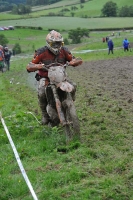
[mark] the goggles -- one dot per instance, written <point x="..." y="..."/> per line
<point x="56" y="44"/>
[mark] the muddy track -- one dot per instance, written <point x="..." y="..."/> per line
<point x="112" y="77"/>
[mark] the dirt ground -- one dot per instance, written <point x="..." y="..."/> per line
<point x="112" y="77"/>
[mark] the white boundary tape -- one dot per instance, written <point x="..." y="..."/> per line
<point x="18" y="159"/>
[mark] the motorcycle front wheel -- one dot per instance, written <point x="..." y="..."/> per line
<point x="72" y="127"/>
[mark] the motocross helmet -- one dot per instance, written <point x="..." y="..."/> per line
<point x="54" y="41"/>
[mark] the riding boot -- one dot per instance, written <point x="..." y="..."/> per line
<point x="45" y="117"/>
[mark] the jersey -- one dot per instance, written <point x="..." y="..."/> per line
<point x="45" y="56"/>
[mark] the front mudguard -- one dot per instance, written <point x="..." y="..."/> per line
<point x="66" y="86"/>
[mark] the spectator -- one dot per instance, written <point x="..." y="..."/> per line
<point x="7" y="54"/>
<point x="110" y="46"/>
<point x="107" y="38"/>
<point x="113" y="33"/>
<point x="1" y="58"/>
<point x="126" y="44"/>
<point x="103" y="39"/>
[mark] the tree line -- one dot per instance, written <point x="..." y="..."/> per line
<point x="110" y="9"/>
<point x="9" y="5"/>
<point x="24" y="6"/>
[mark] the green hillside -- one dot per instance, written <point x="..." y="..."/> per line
<point x="90" y="9"/>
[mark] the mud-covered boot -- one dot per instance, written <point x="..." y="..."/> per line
<point x="45" y="118"/>
<point x="43" y="105"/>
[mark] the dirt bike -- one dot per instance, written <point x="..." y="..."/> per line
<point x="61" y="108"/>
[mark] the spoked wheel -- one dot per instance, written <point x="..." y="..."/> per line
<point x="72" y="127"/>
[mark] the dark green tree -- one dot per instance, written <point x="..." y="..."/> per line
<point x="109" y="9"/>
<point x="131" y="11"/>
<point x="66" y="42"/>
<point x="126" y="11"/>
<point x="21" y="9"/>
<point x="17" y="48"/>
<point x="76" y="34"/>
<point x="3" y="40"/>
<point x="15" y="9"/>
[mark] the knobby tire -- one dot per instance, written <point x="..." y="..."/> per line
<point x="72" y="128"/>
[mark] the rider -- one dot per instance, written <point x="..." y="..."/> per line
<point x="53" y="52"/>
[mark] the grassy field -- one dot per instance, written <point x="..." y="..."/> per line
<point x="71" y="23"/>
<point x="90" y="9"/>
<point x="31" y="40"/>
<point x="99" y="169"/>
<point x="28" y="40"/>
<point x="56" y="5"/>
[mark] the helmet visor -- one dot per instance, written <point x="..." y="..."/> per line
<point x="56" y="45"/>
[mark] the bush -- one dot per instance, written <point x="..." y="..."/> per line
<point x="16" y="49"/>
<point x="3" y="40"/>
<point x="40" y="28"/>
<point x="51" y="14"/>
<point x="65" y="10"/>
<point x="66" y="42"/>
<point x="126" y="11"/>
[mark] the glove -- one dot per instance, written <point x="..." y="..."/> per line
<point x="75" y="62"/>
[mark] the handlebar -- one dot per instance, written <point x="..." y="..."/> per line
<point x="46" y="67"/>
<point x="74" y="62"/>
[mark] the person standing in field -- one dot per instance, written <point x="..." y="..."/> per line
<point x="7" y="54"/>
<point x="110" y="46"/>
<point x="126" y="44"/>
<point x="1" y="58"/>
<point x="103" y="39"/>
<point x="107" y="38"/>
